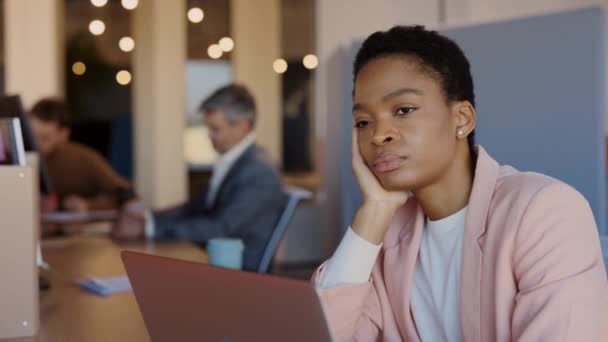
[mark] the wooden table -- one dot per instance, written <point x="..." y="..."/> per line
<point x="68" y="313"/>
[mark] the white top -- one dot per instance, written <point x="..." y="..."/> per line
<point x="435" y="297"/>
<point x="220" y="169"/>
<point x="352" y="262"/>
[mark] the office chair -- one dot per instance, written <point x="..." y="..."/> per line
<point x="295" y="196"/>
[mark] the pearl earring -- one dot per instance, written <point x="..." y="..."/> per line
<point x="460" y="132"/>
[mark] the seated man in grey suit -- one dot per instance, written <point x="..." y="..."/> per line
<point x="244" y="198"/>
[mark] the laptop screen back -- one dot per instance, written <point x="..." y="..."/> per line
<point x="186" y="301"/>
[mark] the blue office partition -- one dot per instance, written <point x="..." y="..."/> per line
<point x="540" y="90"/>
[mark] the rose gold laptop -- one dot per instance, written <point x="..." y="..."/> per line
<point x="187" y="301"/>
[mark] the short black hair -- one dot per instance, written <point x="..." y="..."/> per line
<point x="441" y="56"/>
<point x="52" y="110"/>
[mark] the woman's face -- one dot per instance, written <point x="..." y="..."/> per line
<point x="407" y="130"/>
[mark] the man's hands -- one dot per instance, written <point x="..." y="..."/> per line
<point x="131" y="222"/>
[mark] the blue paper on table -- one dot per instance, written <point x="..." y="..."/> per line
<point x="106" y="286"/>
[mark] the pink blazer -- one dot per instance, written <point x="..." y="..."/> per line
<point x="532" y="268"/>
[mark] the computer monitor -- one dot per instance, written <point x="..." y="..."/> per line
<point x="12" y="151"/>
<point x="11" y="107"/>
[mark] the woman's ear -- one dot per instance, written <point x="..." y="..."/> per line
<point x="465" y="117"/>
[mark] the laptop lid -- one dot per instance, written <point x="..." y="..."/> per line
<point x="187" y="301"/>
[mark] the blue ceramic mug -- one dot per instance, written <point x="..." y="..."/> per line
<point x="226" y="252"/>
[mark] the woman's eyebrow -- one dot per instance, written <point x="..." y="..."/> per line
<point x="395" y="93"/>
<point x="401" y="91"/>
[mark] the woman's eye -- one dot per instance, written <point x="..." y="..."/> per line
<point x="405" y="110"/>
<point x="361" y="124"/>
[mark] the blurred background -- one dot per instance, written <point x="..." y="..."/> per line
<point x="134" y="73"/>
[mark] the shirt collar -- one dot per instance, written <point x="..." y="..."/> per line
<point x="228" y="158"/>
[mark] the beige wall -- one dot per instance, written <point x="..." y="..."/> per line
<point x="256" y="32"/>
<point x="159" y="30"/>
<point x="34" y="48"/>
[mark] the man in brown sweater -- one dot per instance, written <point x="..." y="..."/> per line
<point x="83" y="180"/>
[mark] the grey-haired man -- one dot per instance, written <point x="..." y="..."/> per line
<point x="244" y="197"/>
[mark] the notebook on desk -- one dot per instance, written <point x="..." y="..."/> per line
<point x="187" y="301"/>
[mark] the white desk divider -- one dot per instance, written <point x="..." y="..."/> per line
<point x="19" y="236"/>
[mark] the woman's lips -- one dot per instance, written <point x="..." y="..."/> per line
<point x="387" y="162"/>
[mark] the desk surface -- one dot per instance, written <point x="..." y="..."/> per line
<point x="69" y="314"/>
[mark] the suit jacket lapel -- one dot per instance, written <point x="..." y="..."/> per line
<point x="486" y="174"/>
<point x="234" y="170"/>
<point x="402" y="243"/>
